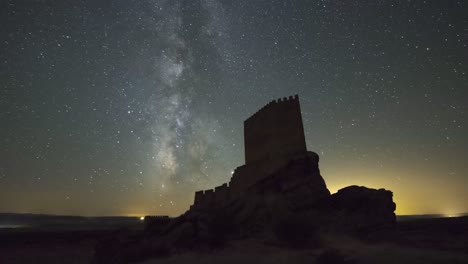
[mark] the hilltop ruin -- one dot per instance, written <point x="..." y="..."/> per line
<point x="280" y="177"/>
<point x="273" y="136"/>
<point x="278" y="191"/>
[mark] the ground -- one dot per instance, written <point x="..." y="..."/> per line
<point x="419" y="241"/>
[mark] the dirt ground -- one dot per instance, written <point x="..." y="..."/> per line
<point x="422" y="241"/>
<point x="32" y="246"/>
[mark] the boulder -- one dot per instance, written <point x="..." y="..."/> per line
<point x="363" y="209"/>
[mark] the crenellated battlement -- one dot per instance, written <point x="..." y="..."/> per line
<point x="212" y="197"/>
<point x="273" y="103"/>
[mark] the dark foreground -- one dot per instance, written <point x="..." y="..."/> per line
<point x="439" y="240"/>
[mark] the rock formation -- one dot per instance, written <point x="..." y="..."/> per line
<point x="281" y="177"/>
<point x="279" y="189"/>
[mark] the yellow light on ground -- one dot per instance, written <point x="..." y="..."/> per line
<point x="142" y="218"/>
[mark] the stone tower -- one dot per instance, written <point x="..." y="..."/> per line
<point x="273" y="136"/>
<point x="274" y="131"/>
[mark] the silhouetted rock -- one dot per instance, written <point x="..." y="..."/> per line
<point x="182" y="235"/>
<point x="364" y="210"/>
<point x="296" y="231"/>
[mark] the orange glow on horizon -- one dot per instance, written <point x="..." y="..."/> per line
<point x="412" y="191"/>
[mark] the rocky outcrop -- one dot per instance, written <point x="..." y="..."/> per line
<point x="279" y="190"/>
<point x="295" y="193"/>
<point x="295" y="187"/>
<point x="363" y="210"/>
<point x="299" y="189"/>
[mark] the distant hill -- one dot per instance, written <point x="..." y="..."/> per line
<point x="64" y="222"/>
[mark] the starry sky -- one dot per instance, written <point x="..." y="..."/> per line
<point x="127" y="107"/>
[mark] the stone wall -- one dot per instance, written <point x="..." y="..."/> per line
<point x="275" y="130"/>
<point x="221" y="195"/>
<point x="213" y="198"/>
<point x="247" y="175"/>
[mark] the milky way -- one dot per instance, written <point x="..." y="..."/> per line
<point x="128" y="107"/>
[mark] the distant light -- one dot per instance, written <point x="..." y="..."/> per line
<point x="142" y="218"/>
<point x="452" y="215"/>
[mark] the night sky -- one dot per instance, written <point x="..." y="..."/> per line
<point x="128" y="107"/>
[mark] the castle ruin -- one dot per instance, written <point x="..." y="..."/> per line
<point x="280" y="180"/>
<point x="273" y="136"/>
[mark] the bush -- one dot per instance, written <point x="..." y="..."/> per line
<point x="296" y="231"/>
